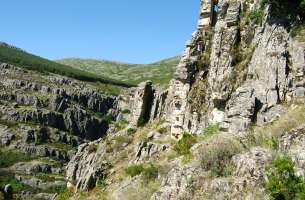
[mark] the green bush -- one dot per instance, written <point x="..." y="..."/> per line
<point x="131" y="131"/>
<point x="256" y="16"/>
<point x="282" y="183"/>
<point x="101" y="181"/>
<point x="150" y="173"/>
<point x="134" y="170"/>
<point x="126" y="111"/>
<point x="183" y="146"/>
<point x="211" y="129"/>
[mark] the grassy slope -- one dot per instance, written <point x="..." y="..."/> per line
<point x="160" y="72"/>
<point x="23" y="59"/>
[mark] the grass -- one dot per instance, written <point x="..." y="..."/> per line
<point x="9" y="158"/>
<point x="56" y="189"/>
<point x="241" y="59"/>
<point x="134" y="170"/>
<point x="131" y="131"/>
<point x="120" y="141"/>
<point x="160" y="72"/>
<point x="268" y="135"/>
<point x="140" y="191"/>
<point x="149" y="172"/>
<point x="25" y="60"/>
<point x="9" y="178"/>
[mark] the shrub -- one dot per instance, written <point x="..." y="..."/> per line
<point x="101" y="181"/>
<point x="211" y="129"/>
<point x="131" y="131"/>
<point x="134" y="170"/>
<point x="183" y="146"/>
<point x="108" y="118"/>
<point x="282" y="182"/>
<point x="216" y="156"/>
<point x="142" y="121"/>
<point x="150" y="173"/>
<point x="256" y="16"/>
<point x="121" y="124"/>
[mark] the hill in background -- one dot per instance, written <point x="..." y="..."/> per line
<point x="18" y="57"/>
<point x="160" y="72"/>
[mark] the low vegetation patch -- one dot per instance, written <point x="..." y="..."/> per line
<point x="120" y="124"/>
<point x="211" y="129"/>
<point x="268" y="135"/>
<point x="134" y="170"/>
<point x="149" y="172"/>
<point x="120" y="142"/>
<point x="217" y="154"/>
<point x="9" y="178"/>
<point x="283" y="183"/>
<point x="101" y="181"/>
<point x="131" y="131"/>
<point x="9" y="158"/>
<point x="183" y="146"/>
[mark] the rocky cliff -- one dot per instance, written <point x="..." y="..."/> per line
<point x="233" y="109"/>
<point x="234" y="71"/>
<point x="235" y="104"/>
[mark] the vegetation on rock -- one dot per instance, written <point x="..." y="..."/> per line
<point x="283" y="183"/>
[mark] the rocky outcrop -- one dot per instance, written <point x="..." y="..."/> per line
<point x="213" y="84"/>
<point x="43" y="118"/>
<point x="251" y="165"/>
<point x="87" y="166"/>
<point x="146" y="151"/>
<point x="142" y="104"/>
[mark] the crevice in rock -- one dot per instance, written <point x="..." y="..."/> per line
<point x="257" y="107"/>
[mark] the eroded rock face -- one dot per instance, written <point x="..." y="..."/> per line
<point x="43" y="118"/>
<point x="147" y="150"/>
<point x="142" y="104"/>
<point x="87" y="166"/>
<point x="209" y="73"/>
<point x="176" y="184"/>
<point x="252" y="165"/>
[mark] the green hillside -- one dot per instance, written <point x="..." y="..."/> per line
<point x="20" y="58"/>
<point x="160" y="72"/>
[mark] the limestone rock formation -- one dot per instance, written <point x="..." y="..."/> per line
<point x="43" y="118"/>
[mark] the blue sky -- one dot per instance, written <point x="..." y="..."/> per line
<point x="135" y="31"/>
